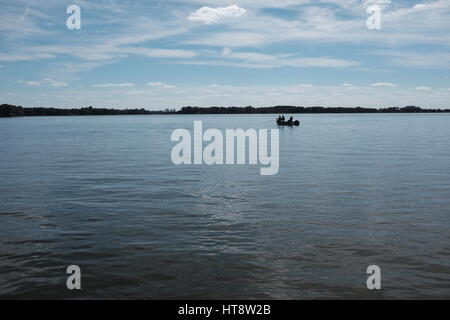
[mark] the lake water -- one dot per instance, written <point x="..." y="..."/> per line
<point x="102" y="193"/>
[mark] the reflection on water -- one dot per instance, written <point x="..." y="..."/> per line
<point x="102" y="193"/>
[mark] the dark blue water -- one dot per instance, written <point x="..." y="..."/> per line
<point x="102" y="193"/>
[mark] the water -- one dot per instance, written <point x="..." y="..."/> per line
<point x="102" y="193"/>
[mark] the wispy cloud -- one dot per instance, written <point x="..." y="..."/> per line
<point x="44" y="82"/>
<point x="30" y="83"/>
<point x="247" y="59"/>
<point x="158" y="53"/>
<point x="113" y="85"/>
<point x="159" y="84"/>
<point x="384" y="84"/>
<point x="54" y="83"/>
<point x="24" y="57"/>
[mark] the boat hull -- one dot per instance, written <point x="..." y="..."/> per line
<point x="288" y="123"/>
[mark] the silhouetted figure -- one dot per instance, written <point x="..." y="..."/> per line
<point x="291" y="119"/>
<point x="282" y="118"/>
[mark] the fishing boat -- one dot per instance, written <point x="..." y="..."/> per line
<point x="288" y="123"/>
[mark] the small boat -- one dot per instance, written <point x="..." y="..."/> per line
<point x="288" y="123"/>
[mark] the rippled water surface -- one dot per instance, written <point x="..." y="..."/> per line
<point x="102" y="193"/>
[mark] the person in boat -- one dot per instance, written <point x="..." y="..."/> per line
<point x="291" y="119"/>
<point x="279" y="119"/>
<point x="282" y="118"/>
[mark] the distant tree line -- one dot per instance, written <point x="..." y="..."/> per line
<point x="7" y="110"/>
<point x="294" y="110"/>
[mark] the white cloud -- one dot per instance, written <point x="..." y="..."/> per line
<point x="54" y="83"/>
<point x="58" y="84"/>
<point x="232" y="39"/>
<point x="209" y="15"/>
<point x="30" y="83"/>
<point x="69" y="68"/>
<point x="248" y="59"/>
<point x="160" y="85"/>
<point x="226" y="51"/>
<point x="102" y="52"/>
<point x="423" y="88"/>
<point x="113" y="85"/>
<point x="157" y="53"/>
<point x="419" y="6"/>
<point x="383" y="84"/>
<point x="379" y="2"/>
<point x="304" y="85"/>
<point x="295" y="63"/>
<point x="44" y="82"/>
<point x="345" y="84"/>
<point x="24" y="57"/>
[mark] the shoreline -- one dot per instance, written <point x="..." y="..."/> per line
<point x="12" y="111"/>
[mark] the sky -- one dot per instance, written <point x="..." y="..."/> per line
<point x="169" y="54"/>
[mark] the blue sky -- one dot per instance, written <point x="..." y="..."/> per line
<point x="168" y="54"/>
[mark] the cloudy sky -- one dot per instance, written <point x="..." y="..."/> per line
<point x="168" y="54"/>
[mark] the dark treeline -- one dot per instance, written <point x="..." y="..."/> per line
<point x="7" y="110"/>
<point x="294" y="110"/>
